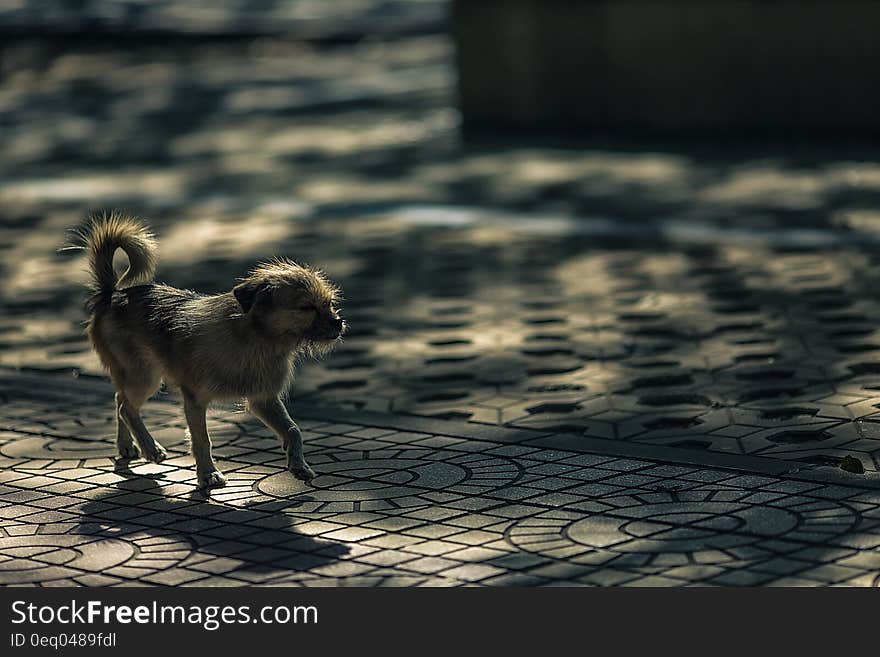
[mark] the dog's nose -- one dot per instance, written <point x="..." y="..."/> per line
<point x="337" y="323"/>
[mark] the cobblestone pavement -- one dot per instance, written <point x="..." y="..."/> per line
<point x="542" y="332"/>
<point x="721" y="300"/>
<point x="407" y="502"/>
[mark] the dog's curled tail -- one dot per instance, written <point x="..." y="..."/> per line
<point x="108" y="232"/>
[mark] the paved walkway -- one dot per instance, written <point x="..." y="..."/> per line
<point x="577" y="361"/>
<point x="407" y="502"/>
<point x="717" y="299"/>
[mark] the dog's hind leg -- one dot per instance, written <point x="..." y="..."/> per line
<point x="129" y="411"/>
<point x="124" y="442"/>
<point x="274" y="415"/>
<point x="206" y="470"/>
<point x="132" y="392"/>
<point x="134" y="385"/>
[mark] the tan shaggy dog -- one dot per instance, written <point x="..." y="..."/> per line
<point x="241" y="344"/>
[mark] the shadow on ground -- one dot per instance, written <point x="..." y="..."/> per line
<point x="218" y="538"/>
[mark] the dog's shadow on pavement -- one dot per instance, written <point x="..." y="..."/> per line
<point x="253" y="546"/>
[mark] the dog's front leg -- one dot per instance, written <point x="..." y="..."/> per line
<point x="208" y="474"/>
<point x="275" y="416"/>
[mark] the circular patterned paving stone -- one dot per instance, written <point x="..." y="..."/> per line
<point x="47" y="557"/>
<point x="44" y="558"/>
<point x="103" y="445"/>
<point x="371" y="477"/>
<point x="694" y="527"/>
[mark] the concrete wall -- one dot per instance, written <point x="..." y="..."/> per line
<point x="670" y="65"/>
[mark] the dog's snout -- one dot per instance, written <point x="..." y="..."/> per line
<point x="337" y="323"/>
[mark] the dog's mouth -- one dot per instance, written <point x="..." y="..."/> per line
<point x="329" y="334"/>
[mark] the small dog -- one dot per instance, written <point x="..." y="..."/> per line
<point x="241" y="344"/>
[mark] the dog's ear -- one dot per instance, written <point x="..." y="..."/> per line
<point x="249" y="294"/>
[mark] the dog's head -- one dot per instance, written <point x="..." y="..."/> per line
<point x="291" y="300"/>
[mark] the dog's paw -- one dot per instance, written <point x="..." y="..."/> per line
<point x="301" y="471"/>
<point x="213" y="479"/>
<point x="156" y="454"/>
<point x="128" y="452"/>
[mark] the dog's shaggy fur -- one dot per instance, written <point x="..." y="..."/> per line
<point x="241" y="344"/>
